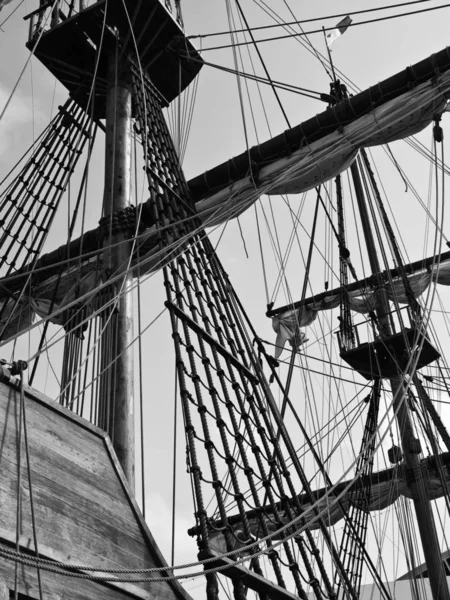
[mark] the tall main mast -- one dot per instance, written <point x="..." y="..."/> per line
<point x="71" y="503"/>
<point x="92" y="52"/>
<point x="116" y="402"/>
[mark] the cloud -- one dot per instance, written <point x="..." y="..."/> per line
<point x="16" y="125"/>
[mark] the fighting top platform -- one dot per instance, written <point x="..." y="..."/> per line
<point x="70" y="48"/>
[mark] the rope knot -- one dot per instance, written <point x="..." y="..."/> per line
<point x="18" y="366"/>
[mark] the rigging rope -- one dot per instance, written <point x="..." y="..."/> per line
<point x="353" y="24"/>
<point x="303" y="21"/>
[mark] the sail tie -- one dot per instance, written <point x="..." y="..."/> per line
<point x="122" y="221"/>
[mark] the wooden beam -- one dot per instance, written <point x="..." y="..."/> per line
<point x="211" y="341"/>
<point x="116" y="397"/>
<point x="356" y="286"/>
<point x="249" y="578"/>
<point x="85" y="511"/>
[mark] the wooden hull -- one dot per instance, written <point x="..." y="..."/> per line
<point x="84" y="511"/>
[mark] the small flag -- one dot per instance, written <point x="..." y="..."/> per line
<point x="340" y="28"/>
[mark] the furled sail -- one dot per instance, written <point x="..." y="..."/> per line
<point x="58" y="304"/>
<point x="295" y="161"/>
<point x="383" y="489"/>
<point x="287" y="323"/>
<point x="319" y="149"/>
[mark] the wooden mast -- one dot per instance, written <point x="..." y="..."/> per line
<point x="410" y="445"/>
<point x="117" y="390"/>
<point x="82" y="50"/>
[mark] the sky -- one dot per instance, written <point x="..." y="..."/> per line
<point x="366" y="54"/>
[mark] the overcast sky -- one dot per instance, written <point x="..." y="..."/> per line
<point x="366" y="54"/>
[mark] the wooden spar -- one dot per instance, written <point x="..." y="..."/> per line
<point x="251" y="580"/>
<point x="362" y="284"/>
<point x="324" y="123"/>
<point x="54" y="262"/>
<point x="409" y="443"/>
<point x="68" y="38"/>
<point x="394" y="476"/>
<point x="117" y="390"/>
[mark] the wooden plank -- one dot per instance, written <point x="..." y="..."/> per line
<point x="84" y="509"/>
<point x="4" y="591"/>
<point x="60" y="513"/>
<point x="57" y="587"/>
<point x="46" y="552"/>
<point x="156" y="552"/>
<point x="61" y="510"/>
<point x="38" y="397"/>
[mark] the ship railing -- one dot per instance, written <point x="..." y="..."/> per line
<point x="51" y="13"/>
<point x="399" y="319"/>
<point x="390" y="351"/>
